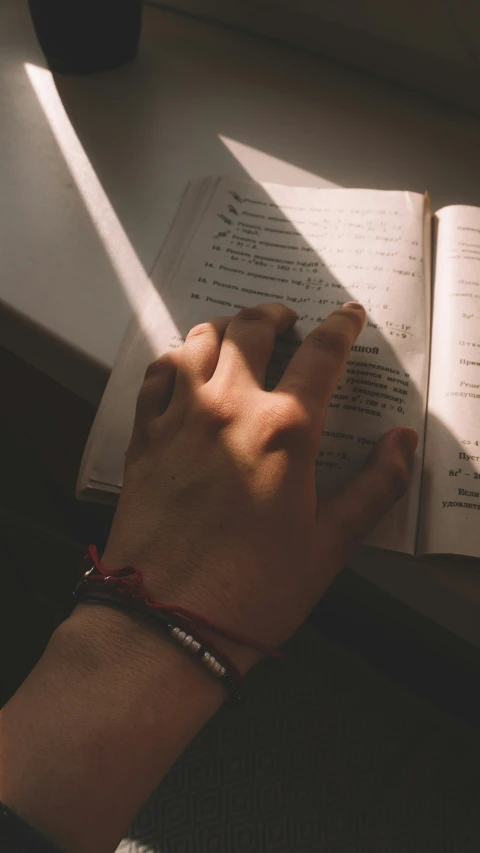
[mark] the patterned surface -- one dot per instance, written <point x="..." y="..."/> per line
<point x="326" y="757"/>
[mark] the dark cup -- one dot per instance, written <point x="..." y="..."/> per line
<point x="82" y="36"/>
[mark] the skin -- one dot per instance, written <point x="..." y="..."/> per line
<point x="219" y="509"/>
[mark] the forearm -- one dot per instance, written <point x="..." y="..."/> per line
<point x="96" y="726"/>
<point x="219" y="508"/>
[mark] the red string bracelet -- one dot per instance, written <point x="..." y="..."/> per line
<point x="124" y="588"/>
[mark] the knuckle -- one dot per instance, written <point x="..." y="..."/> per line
<point x="153" y="431"/>
<point x="159" y="367"/>
<point x="215" y="408"/>
<point x="286" y="420"/>
<point x="336" y="343"/>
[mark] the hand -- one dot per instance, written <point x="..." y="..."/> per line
<point x="219" y="504"/>
<point x="219" y="509"/>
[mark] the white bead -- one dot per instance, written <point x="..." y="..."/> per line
<point x="187" y="640"/>
<point x="181" y="636"/>
<point x="195" y="646"/>
<point x="175" y="632"/>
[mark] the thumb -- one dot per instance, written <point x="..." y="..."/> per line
<point x="382" y="481"/>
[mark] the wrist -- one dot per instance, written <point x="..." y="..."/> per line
<point x="192" y="594"/>
<point x="132" y="652"/>
<point x="114" y="700"/>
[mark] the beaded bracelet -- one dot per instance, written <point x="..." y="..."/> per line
<point x="124" y="590"/>
<point x="230" y="678"/>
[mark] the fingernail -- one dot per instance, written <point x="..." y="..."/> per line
<point x="355" y="306"/>
<point x="408" y="441"/>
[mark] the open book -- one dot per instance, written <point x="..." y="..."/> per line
<point x="417" y="361"/>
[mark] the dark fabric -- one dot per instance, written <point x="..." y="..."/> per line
<point x="327" y="755"/>
<point x="17" y="836"/>
<point x="44" y="530"/>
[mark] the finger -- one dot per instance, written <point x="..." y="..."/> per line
<point x="200" y="352"/>
<point x="157" y="388"/>
<point x="249" y="340"/>
<point x="377" y="487"/>
<point x="316" y="367"/>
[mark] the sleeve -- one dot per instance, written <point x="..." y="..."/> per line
<point x="17" y="836"/>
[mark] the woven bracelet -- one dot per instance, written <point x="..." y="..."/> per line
<point x="124" y="590"/>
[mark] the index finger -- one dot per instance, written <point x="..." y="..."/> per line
<point x="316" y="367"/>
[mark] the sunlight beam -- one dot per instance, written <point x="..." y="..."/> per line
<point x="123" y="258"/>
<point x="261" y="166"/>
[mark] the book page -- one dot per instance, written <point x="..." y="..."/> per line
<point x="315" y="249"/>
<point x="451" y="484"/>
